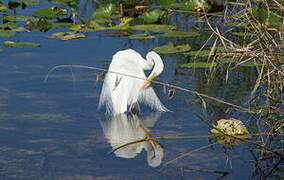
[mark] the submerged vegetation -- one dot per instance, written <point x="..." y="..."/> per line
<point x="215" y="40"/>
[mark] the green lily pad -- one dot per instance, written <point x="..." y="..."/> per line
<point x="180" y="34"/>
<point x="153" y="27"/>
<point x="153" y="16"/>
<point x="20" y="44"/>
<point x="17" y="17"/>
<point x="32" y="2"/>
<point x="51" y="12"/>
<point x="197" y="53"/>
<point x="1" y="49"/>
<point x="230" y="127"/>
<point x="67" y="35"/>
<point x="7" y="33"/>
<point x="141" y="36"/>
<point x="170" y="48"/>
<point x="3" y="8"/>
<point x="105" y="14"/>
<point x="198" y="65"/>
<point x="81" y="28"/>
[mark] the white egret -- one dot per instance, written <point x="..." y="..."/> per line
<point x="125" y="84"/>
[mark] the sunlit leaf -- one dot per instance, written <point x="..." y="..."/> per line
<point x="154" y="27"/>
<point x="67" y="35"/>
<point x="73" y="36"/>
<point x="20" y="44"/>
<point x="32" y="2"/>
<point x="198" y="65"/>
<point x="180" y="34"/>
<point x="17" y="17"/>
<point x="230" y="126"/>
<point x="3" y="8"/>
<point x="81" y="27"/>
<point x="51" y="12"/>
<point x="170" y="48"/>
<point x="198" y="53"/>
<point x="7" y="33"/>
<point x="105" y="13"/>
<point x="141" y="36"/>
<point x="153" y="16"/>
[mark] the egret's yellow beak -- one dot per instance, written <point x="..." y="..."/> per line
<point x="148" y="80"/>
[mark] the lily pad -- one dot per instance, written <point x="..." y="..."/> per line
<point x="153" y="27"/>
<point x="230" y="127"/>
<point x="180" y="34"/>
<point x="153" y="16"/>
<point x="67" y="35"/>
<point x="3" y="8"/>
<point x="7" y="33"/>
<point x="105" y="14"/>
<point x="17" y="17"/>
<point x="81" y="27"/>
<point x="1" y="49"/>
<point x="170" y="48"/>
<point x="51" y="12"/>
<point x="141" y="36"/>
<point x="198" y="65"/>
<point x="20" y="44"/>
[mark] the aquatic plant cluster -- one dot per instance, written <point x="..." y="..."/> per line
<point x="229" y="36"/>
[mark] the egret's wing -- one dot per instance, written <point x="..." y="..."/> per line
<point x="149" y="97"/>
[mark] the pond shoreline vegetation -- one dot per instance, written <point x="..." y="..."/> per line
<point x="233" y="35"/>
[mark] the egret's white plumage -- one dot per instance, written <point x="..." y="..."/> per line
<point x="121" y="90"/>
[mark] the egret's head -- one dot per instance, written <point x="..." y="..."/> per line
<point x="158" y="67"/>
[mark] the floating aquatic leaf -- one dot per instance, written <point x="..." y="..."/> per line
<point x="170" y="48"/>
<point x="20" y="44"/>
<point x="198" y="65"/>
<point x="32" y="2"/>
<point x="197" y="53"/>
<point x="67" y="35"/>
<point x="153" y="16"/>
<point x="73" y="36"/>
<point x="3" y="8"/>
<point x="17" y="17"/>
<point x="105" y="13"/>
<point x="180" y="34"/>
<point x="141" y="36"/>
<point x="7" y="33"/>
<point x="1" y="49"/>
<point x="154" y="27"/>
<point x="233" y="127"/>
<point x="51" y="12"/>
<point x="230" y="127"/>
<point x="81" y="27"/>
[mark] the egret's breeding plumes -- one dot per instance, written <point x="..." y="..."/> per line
<point x="126" y="85"/>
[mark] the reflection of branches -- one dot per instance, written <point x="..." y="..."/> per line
<point x="224" y="173"/>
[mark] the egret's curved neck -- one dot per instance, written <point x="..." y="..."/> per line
<point x="158" y="63"/>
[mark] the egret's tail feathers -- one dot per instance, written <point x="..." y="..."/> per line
<point x="149" y="97"/>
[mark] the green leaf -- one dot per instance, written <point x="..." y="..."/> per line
<point x="1" y="49"/>
<point x="198" y="65"/>
<point x="197" y="53"/>
<point x="3" y="8"/>
<point x="180" y="34"/>
<point x="105" y="13"/>
<point x="7" y="33"/>
<point x="230" y="126"/>
<point x="168" y="3"/>
<point x="153" y="16"/>
<point x="51" y="12"/>
<point x="154" y="27"/>
<point x="17" y="17"/>
<point x="170" y="48"/>
<point x="20" y="44"/>
<point x="67" y="35"/>
<point x="141" y="36"/>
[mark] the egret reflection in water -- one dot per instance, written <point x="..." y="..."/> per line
<point x="126" y="128"/>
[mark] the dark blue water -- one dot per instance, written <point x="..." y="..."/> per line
<point x="53" y="130"/>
